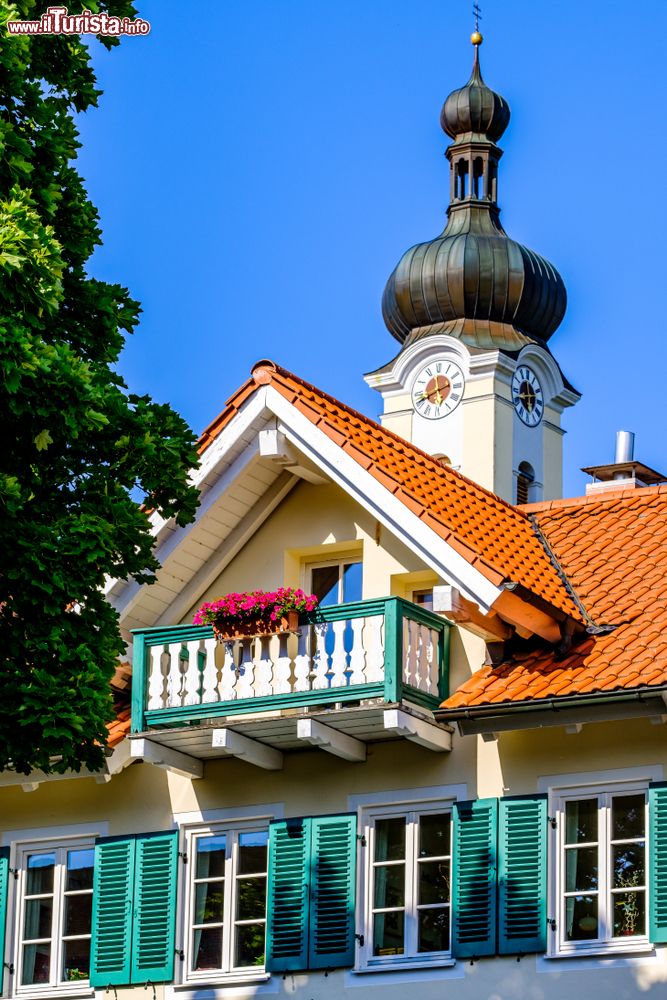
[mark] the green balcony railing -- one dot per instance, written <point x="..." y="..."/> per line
<point x="387" y="648"/>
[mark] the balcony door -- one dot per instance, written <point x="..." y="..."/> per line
<point x="336" y="582"/>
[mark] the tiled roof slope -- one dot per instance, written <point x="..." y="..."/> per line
<point x="613" y="548"/>
<point x="119" y="728"/>
<point x="495" y="537"/>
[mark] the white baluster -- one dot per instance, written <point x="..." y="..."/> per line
<point x="410" y="653"/>
<point x="339" y="656"/>
<point x="155" y="679"/>
<point x="246" y="672"/>
<point x="209" y="677"/>
<point x="282" y="670"/>
<point x="319" y="679"/>
<point x="192" y="675"/>
<point x="264" y="667"/>
<point x="358" y="652"/>
<point x="228" y="672"/>
<point x="375" y="649"/>
<point x="302" y="660"/>
<point x="174" y="679"/>
<point x="434" y="665"/>
<point x="424" y="658"/>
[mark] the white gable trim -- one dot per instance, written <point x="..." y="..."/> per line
<point x="383" y="505"/>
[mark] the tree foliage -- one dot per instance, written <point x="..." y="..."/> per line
<point x="76" y="445"/>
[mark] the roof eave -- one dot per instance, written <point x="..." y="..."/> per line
<point x="572" y="710"/>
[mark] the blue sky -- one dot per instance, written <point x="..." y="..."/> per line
<point x="260" y="168"/>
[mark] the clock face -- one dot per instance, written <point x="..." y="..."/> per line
<point x="438" y="388"/>
<point x="527" y="396"/>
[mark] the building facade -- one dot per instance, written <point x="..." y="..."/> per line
<point x="451" y="774"/>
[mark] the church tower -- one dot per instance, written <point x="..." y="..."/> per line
<point x="475" y="382"/>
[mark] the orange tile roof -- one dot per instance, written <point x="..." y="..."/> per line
<point x="498" y="539"/>
<point x="119" y="728"/>
<point x="613" y="546"/>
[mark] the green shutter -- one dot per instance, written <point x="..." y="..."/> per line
<point x="333" y="874"/>
<point x="474" y="878"/>
<point x="154" y="907"/>
<point x="522" y="875"/>
<point x="4" y="888"/>
<point x="113" y="885"/>
<point x="288" y="895"/>
<point x="657" y="862"/>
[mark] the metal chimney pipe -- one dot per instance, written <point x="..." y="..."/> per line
<point x="625" y="447"/>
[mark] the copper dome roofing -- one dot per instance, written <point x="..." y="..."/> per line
<point x="475" y="108"/>
<point x="473" y="271"/>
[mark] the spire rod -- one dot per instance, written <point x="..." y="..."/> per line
<point x="476" y="38"/>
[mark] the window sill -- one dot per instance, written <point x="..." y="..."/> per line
<point x="640" y="947"/>
<point x="407" y="966"/>
<point x="224" y="979"/>
<point x="46" y="992"/>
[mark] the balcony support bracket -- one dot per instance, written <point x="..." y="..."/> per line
<point x="311" y="731"/>
<point x="231" y="744"/>
<point x="170" y="760"/>
<point x="427" y="734"/>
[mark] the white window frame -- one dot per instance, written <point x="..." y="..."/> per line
<point x="228" y="973"/>
<point x="341" y="563"/>
<point x="604" y="791"/>
<point x="18" y="860"/>
<point x="410" y="804"/>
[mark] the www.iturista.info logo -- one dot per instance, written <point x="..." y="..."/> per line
<point x="58" y="21"/>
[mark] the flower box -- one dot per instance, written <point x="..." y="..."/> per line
<point x="227" y="631"/>
<point x="255" y="613"/>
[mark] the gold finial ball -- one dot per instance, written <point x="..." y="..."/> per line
<point x="476" y="38"/>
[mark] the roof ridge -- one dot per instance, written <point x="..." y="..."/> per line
<point x="564" y="578"/>
<point x="622" y="493"/>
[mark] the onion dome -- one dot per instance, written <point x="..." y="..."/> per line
<point x="473" y="281"/>
<point x="475" y="108"/>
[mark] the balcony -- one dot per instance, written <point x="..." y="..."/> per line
<point x="352" y="673"/>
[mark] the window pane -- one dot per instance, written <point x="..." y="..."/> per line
<point x="209" y="902"/>
<point x="628" y="865"/>
<point x="390" y="886"/>
<point x="388" y="933"/>
<point x="352" y="582"/>
<point x="628" y="813"/>
<point x="252" y="852"/>
<point x="251" y="898"/>
<point x="78" y="911"/>
<point x="434" y="836"/>
<point x="250" y="945"/>
<point x="207" y="948"/>
<point x="80" y="869"/>
<point x="390" y="839"/>
<point x="38" y="915"/>
<point x="40" y="874"/>
<point x="434" y="882"/>
<point x="433" y="930"/>
<point x="629" y="914"/>
<point x="325" y="584"/>
<point x="581" y="868"/>
<point x="36" y="964"/>
<point x="581" y="918"/>
<point x="76" y="960"/>
<point x="581" y="821"/>
<point x="210" y="857"/>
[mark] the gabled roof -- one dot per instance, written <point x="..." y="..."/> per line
<point x="497" y="539"/>
<point x="613" y="547"/>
